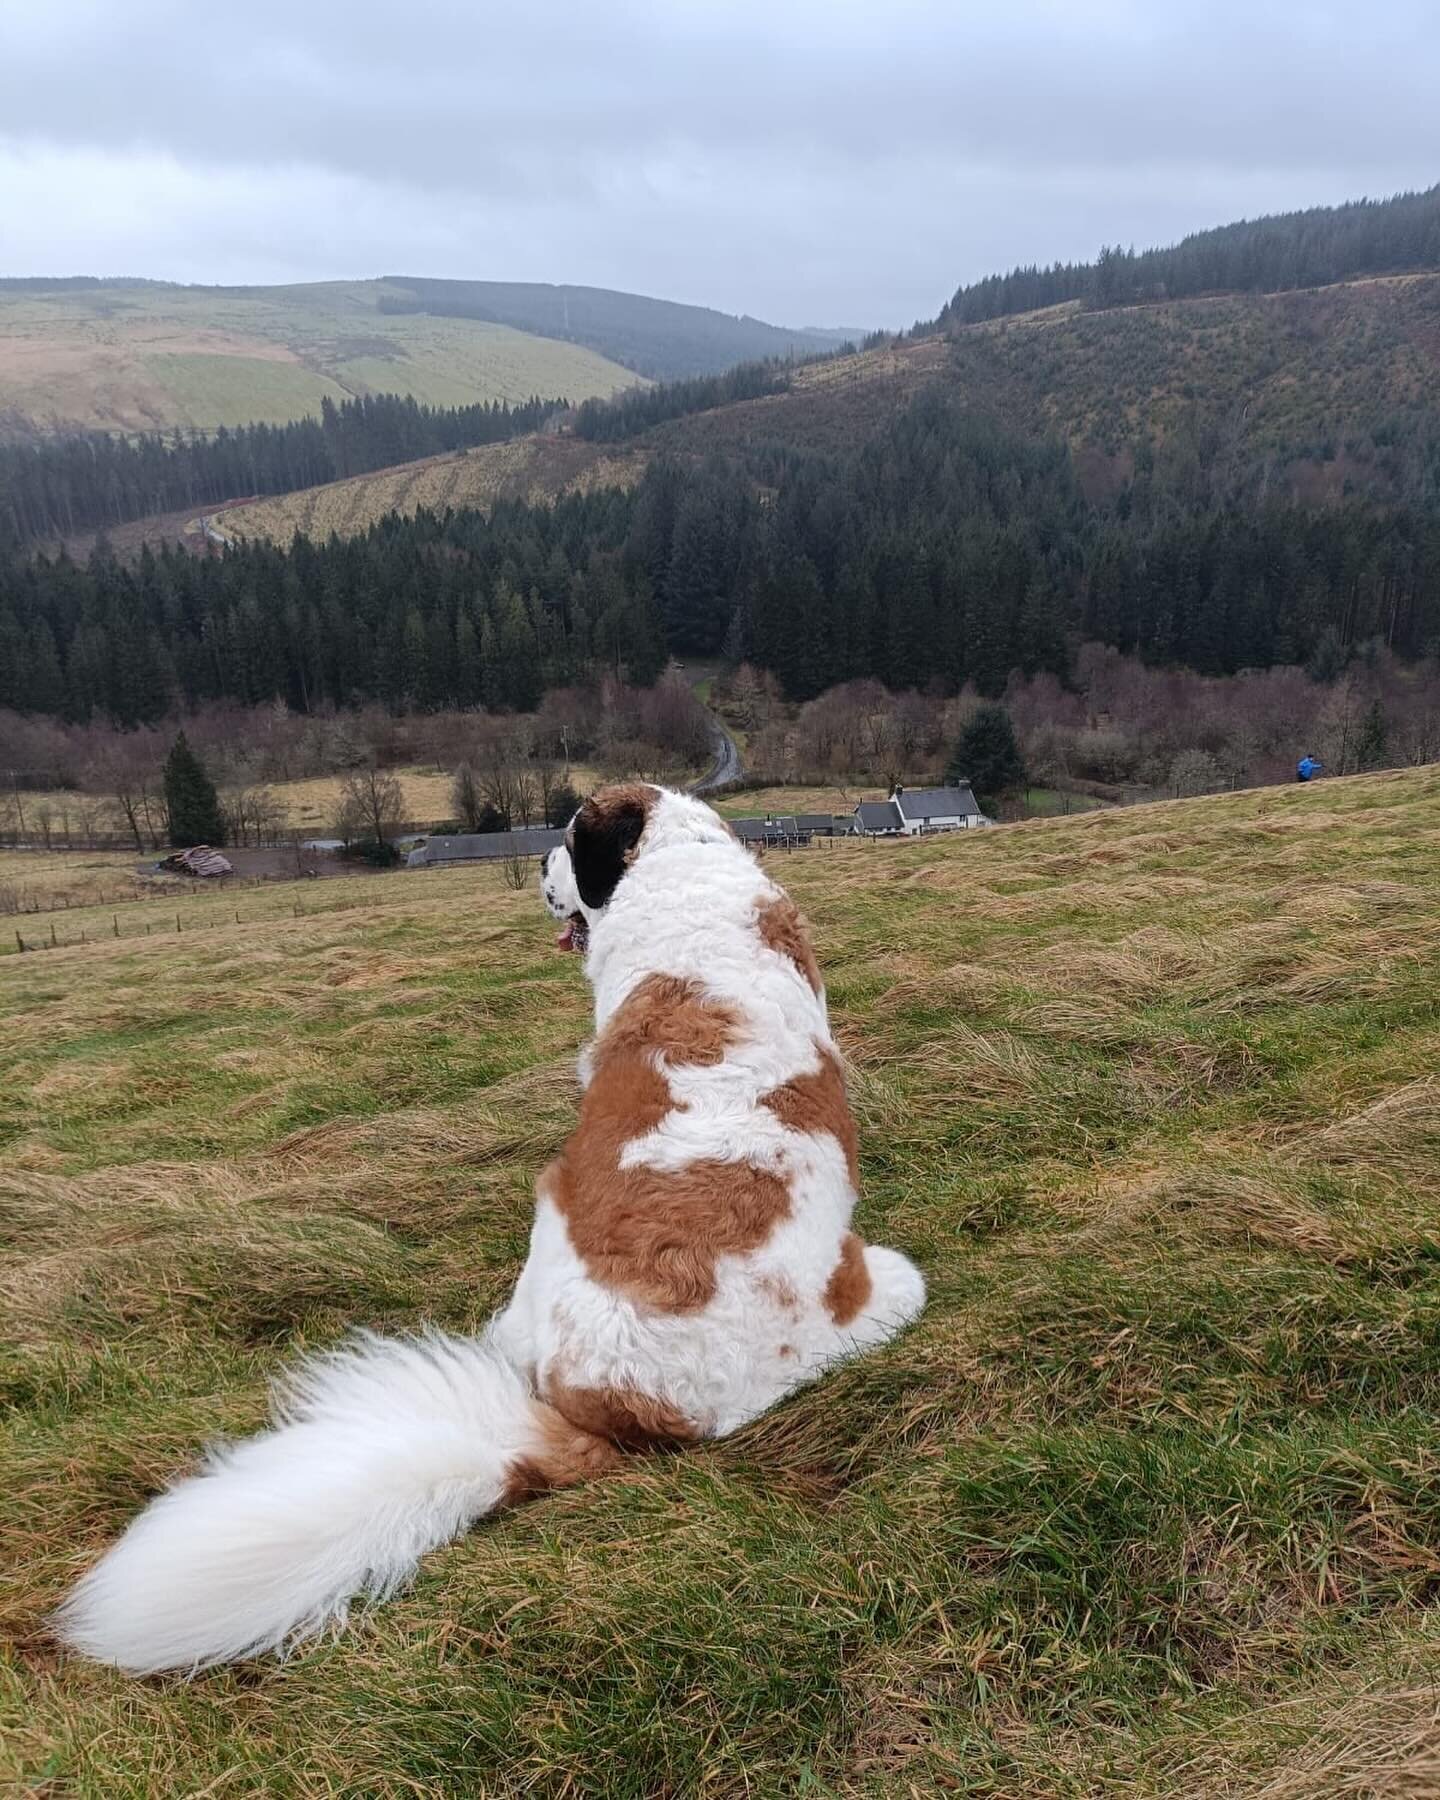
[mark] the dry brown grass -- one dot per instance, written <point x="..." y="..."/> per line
<point x="534" y="469"/>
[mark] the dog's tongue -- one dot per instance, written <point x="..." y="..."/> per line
<point x="566" y="939"/>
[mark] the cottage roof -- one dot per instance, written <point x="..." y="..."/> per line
<point x="937" y="803"/>
<point x="485" y="846"/>
<point x="878" y="815"/>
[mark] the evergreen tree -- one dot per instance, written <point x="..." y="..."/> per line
<point x="561" y="807"/>
<point x="1373" y="745"/>
<point x="988" y="757"/>
<point x="190" y="799"/>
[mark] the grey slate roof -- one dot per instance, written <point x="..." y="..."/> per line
<point x="937" y="803"/>
<point x="770" y="831"/>
<point x="484" y="846"/>
<point x="878" y="815"/>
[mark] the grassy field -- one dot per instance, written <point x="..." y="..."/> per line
<point x="1148" y="1503"/>
<point x="142" y="357"/>
<point x="312" y="805"/>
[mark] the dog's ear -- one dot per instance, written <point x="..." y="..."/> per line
<point x="603" y="838"/>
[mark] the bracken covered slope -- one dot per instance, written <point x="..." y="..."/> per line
<point x="1314" y="394"/>
<point x="1147" y="1503"/>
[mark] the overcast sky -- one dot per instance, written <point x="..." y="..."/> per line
<point x="812" y="162"/>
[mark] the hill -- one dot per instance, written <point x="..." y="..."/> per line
<point x="660" y="338"/>
<point x="1319" y="391"/>
<point x="1313" y="248"/>
<point x="143" y="356"/>
<point x="1316" y="394"/>
<point x="1146" y="1503"/>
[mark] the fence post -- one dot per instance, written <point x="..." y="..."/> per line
<point x="54" y="941"/>
<point x="177" y="921"/>
<point x="20" y="942"/>
<point x="115" y="921"/>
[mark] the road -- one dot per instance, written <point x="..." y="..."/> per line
<point x="727" y="766"/>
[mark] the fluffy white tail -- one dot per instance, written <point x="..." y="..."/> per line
<point x="380" y="1452"/>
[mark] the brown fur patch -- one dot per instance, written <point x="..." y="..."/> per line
<point x="622" y="796"/>
<point x="848" y="1288"/>
<point x="672" y="1019"/>
<point x="650" y="1234"/>
<point x="568" y="1454"/>
<point x="621" y="1415"/>
<point x="782" y="928"/>
<point x="818" y="1103"/>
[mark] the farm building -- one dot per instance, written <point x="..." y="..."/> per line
<point x="484" y="846"/>
<point x="790" y="829"/>
<point x="910" y="811"/>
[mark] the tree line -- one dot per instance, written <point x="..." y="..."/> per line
<point x="945" y="551"/>
<point x="638" y="409"/>
<point x="92" y="481"/>
<point x="1286" y="250"/>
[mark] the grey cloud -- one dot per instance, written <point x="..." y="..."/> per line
<point x="816" y="162"/>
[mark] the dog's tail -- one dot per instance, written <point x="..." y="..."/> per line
<point x="379" y="1452"/>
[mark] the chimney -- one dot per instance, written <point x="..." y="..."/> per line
<point x="896" y="791"/>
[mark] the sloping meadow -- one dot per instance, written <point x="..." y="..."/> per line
<point x="1149" y="1502"/>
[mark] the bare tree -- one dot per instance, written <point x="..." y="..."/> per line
<point x="1195" y="772"/>
<point x="508" y="783"/>
<point x="515" y="869"/>
<point x="129" y="771"/>
<point x="253" y="815"/>
<point x="371" y="801"/>
<point x="466" y="799"/>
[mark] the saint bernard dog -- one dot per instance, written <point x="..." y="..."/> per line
<point x="691" y="1262"/>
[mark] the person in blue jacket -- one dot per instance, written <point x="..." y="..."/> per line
<point x="1307" y="768"/>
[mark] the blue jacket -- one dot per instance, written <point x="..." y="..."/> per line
<point x="1306" y="767"/>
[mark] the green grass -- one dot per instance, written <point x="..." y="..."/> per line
<point x="206" y="391"/>
<point x="1148" y="1502"/>
<point x="142" y="358"/>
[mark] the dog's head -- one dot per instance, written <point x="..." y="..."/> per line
<point x="613" y="829"/>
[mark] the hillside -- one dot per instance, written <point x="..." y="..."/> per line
<point x="535" y="468"/>
<point x="660" y="338"/>
<point x="1317" y="388"/>
<point x="1313" y="394"/>
<point x="1146" y="1503"/>
<point x="143" y="356"/>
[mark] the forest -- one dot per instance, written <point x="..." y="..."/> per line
<point x="54" y="487"/>
<point x="1287" y="250"/>
<point x="945" y="551"/>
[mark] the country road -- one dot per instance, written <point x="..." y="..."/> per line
<point x="727" y="766"/>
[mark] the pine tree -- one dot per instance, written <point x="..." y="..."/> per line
<point x="190" y="799"/>
<point x="1374" y="741"/>
<point x="988" y="757"/>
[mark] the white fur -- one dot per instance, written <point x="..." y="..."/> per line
<point x="380" y="1452"/>
<point x="687" y="907"/>
<point x="385" y="1450"/>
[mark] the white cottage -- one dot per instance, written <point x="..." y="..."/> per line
<point x="910" y="811"/>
